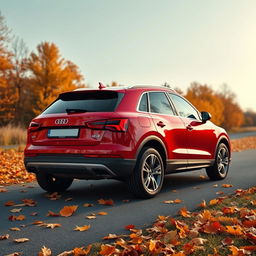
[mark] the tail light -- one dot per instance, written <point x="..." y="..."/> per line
<point x="33" y="126"/>
<point x="115" y="125"/>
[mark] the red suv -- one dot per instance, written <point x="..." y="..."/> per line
<point x="135" y="134"/>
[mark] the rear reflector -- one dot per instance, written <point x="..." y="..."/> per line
<point x="115" y="125"/>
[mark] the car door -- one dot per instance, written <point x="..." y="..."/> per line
<point x="201" y="135"/>
<point x="171" y="128"/>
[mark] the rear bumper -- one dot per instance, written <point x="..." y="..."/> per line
<point x="77" y="166"/>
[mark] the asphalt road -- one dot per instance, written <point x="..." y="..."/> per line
<point x="190" y="188"/>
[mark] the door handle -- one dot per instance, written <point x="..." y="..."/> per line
<point x="161" y="124"/>
<point x="189" y="127"/>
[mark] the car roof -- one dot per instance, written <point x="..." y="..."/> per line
<point x="133" y="87"/>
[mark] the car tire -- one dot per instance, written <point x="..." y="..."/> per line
<point x="148" y="175"/>
<point x="53" y="184"/>
<point x="220" y="168"/>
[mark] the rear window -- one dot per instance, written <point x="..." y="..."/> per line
<point x="78" y="102"/>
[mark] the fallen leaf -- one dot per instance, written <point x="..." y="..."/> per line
<point x="227" y="241"/>
<point x="52" y="214"/>
<point x="68" y="199"/>
<point x="4" y="237"/>
<point x="177" y="201"/>
<point x="45" y="252"/>
<point x="88" y="205"/>
<point x="106" y="202"/>
<point x="9" y="203"/>
<point x="184" y="212"/>
<point x="67" y="211"/>
<point x="15" y="229"/>
<point x="19" y="217"/>
<point x="107" y="249"/>
<point x="214" y="202"/>
<point x="168" y="202"/>
<point x="29" y="202"/>
<point x="111" y="236"/>
<point x="91" y="217"/>
<point x="52" y="225"/>
<point x="202" y="177"/>
<point x="21" y="240"/>
<point x="3" y="190"/>
<point x="227" y="185"/>
<point x="82" y="228"/>
<point x="67" y="253"/>
<point x="215" y="185"/>
<point x="203" y="204"/>
<point x="38" y="223"/>
<point x="234" y="230"/>
<point x="54" y="196"/>
<point x="102" y="213"/>
<point x="81" y="251"/>
<point x="128" y="227"/>
<point x="15" y="210"/>
<point x="33" y="214"/>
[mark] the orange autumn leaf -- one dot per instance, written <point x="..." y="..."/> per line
<point x="227" y="185"/>
<point x="234" y="230"/>
<point x="227" y="220"/>
<point x="203" y="204"/>
<point x="107" y="250"/>
<point x="130" y="226"/>
<point x="52" y="214"/>
<point x="9" y="203"/>
<point x="15" y="229"/>
<point x="136" y="239"/>
<point x="106" y="202"/>
<point x="251" y="248"/>
<point x="212" y="228"/>
<point x="67" y="211"/>
<point x="236" y="251"/>
<point x="45" y="252"/>
<point x="88" y="205"/>
<point x="184" y="212"/>
<point x="102" y="213"/>
<point x="29" y="202"/>
<point x="81" y="251"/>
<point x="82" y="228"/>
<point x="177" y="201"/>
<point x="228" y="210"/>
<point x="19" y="217"/>
<point x="214" y="202"/>
<point x="4" y="237"/>
<point x="15" y="210"/>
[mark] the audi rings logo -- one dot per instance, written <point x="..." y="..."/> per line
<point x="61" y="121"/>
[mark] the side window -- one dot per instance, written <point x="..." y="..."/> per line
<point x="143" y="103"/>
<point x="159" y="103"/>
<point x="183" y="107"/>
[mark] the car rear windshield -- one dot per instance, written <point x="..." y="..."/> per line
<point x="92" y="101"/>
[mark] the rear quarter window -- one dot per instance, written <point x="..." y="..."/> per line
<point x="92" y="101"/>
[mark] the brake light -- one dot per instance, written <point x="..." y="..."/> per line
<point x="115" y="125"/>
<point x="33" y="126"/>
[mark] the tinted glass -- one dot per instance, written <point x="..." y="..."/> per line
<point x="183" y="107"/>
<point x="159" y="103"/>
<point x="99" y="101"/>
<point x="143" y="103"/>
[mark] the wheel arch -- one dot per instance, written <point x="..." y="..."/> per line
<point x="156" y="143"/>
<point x="225" y="140"/>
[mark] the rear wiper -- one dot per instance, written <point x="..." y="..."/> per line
<point x="75" y="110"/>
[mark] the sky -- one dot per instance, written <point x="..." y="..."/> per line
<point x="147" y="42"/>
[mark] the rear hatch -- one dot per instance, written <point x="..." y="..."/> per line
<point x="75" y="118"/>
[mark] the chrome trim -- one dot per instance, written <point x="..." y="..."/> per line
<point x="87" y="166"/>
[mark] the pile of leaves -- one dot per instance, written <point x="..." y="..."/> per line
<point x="226" y="226"/>
<point x="243" y="144"/>
<point x="12" y="170"/>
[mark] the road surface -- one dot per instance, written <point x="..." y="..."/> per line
<point x="191" y="188"/>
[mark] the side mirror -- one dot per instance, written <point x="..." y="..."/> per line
<point x="206" y="116"/>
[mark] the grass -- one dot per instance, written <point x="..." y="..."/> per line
<point x="10" y="135"/>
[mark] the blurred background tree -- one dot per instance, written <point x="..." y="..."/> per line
<point x="50" y="74"/>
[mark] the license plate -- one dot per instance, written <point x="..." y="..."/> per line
<point x="63" y="133"/>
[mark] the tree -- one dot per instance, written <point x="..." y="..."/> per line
<point x="18" y="80"/>
<point x="205" y="99"/>
<point x="233" y="114"/>
<point x="50" y="74"/>
<point x="8" y="94"/>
